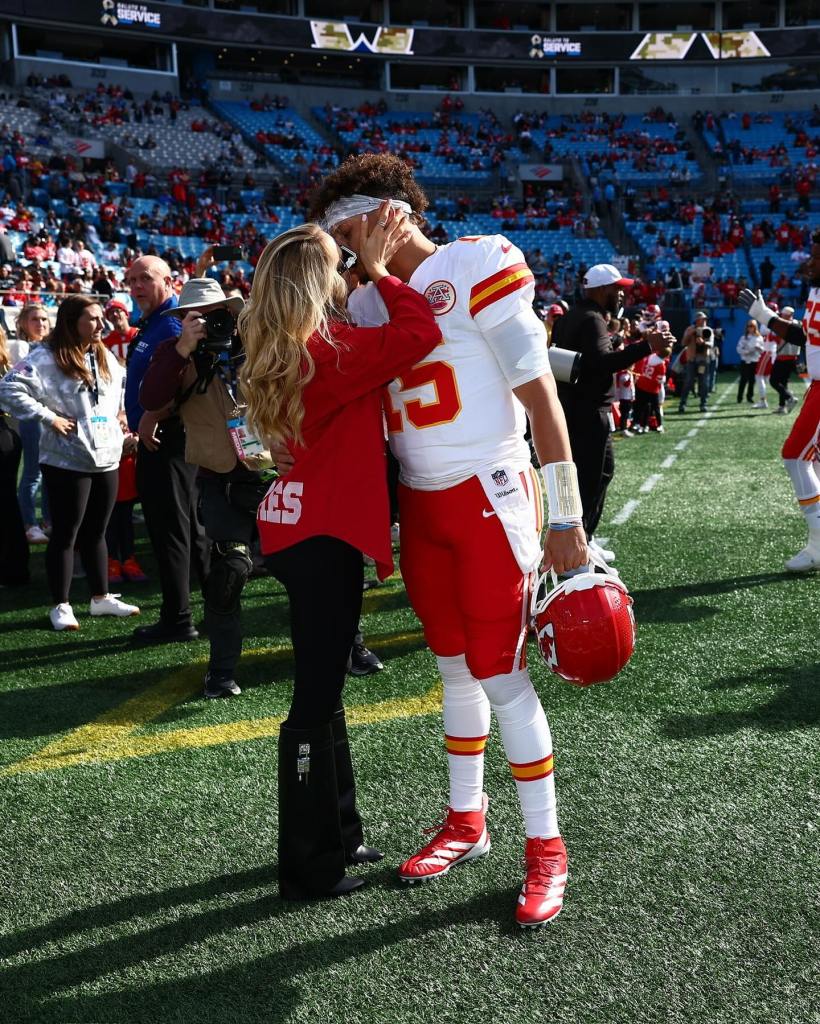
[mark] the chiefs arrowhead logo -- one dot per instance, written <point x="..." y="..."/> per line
<point x="546" y="641"/>
<point x="506" y="248"/>
<point x="441" y="295"/>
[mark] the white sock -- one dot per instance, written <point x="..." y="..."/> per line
<point x="806" y="485"/>
<point x="761" y="387"/>
<point x="466" y="727"/>
<point x="525" y="734"/>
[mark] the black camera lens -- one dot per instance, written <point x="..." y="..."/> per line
<point x="219" y="330"/>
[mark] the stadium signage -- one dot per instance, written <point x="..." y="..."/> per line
<point x="116" y="13"/>
<point x="540" y="172"/>
<point x="554" y="46"/>
<point x="336" y="35"/>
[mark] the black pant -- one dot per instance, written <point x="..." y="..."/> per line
<point x="120" y="533"/>
<point x="589" y="438"/>
<point x="228" y="512"/>
<point x="13" y="544"/>
<point x="82" y="506"/>
<point x="167" y="488"/>
<point x="647" y="405"/>
<point x="747" y="381"/>
<point x="779" y="380"/>
<point x="333" y="569"/>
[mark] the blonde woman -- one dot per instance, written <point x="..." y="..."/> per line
<point x="750" y="349"/>
<point x="32" y="328"/>
<point x="315" y="381"/>
<point x="13" y="546"/>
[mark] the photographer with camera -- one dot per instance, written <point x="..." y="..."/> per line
<point x="196" y="374"/>
<point x="587" y="400"/>
<point x="698" y="343"/>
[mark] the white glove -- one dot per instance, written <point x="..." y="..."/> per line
<point x="756" y="307"/>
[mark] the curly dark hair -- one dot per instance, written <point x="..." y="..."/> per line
<point x="380" y="175"/>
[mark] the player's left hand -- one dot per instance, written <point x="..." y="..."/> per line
<point x="565" y="550"/>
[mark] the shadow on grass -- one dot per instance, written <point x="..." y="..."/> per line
<point x="668" y="604"/>
<point x="47" y="710"/>
<point x="796" y="705"/>
<point x="263" y="988"/>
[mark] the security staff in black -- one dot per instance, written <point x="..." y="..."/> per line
<point x="587" y="403"/>
<point x="197" y="374"/>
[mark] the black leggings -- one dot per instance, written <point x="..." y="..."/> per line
<point x="323" y="577"/>
<point x="82" y="504"/>
<point x="119" y="537"/>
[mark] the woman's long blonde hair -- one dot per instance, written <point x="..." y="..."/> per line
<point x="296" y="292"/>
<point x="23" y="316"/>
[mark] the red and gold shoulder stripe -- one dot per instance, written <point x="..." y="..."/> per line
<point x="532" y="770"/>
<point x="465" y="745"/>
<point x="498" y="286"/>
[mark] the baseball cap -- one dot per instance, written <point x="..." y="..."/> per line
<point x="700" y="314"/>
<point x="603" y="274"/>
<point x="116" y="304"/>
<point x="556" y="310"/>
<point x="788" y="309"/>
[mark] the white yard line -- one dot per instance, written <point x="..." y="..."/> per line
<point x="625" y="512"/>
<point x="669" y="461"/>
<point x="650" y="482"/>
<point x="682" y="445"/>
<point x="693" y="432"/>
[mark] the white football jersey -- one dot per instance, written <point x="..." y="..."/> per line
<point x="454" y="413"/>
<point x="811" y="328"/>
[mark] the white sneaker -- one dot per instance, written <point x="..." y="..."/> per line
<point x="760" y="405"/>
<point x="805" y="560"/>
<point x="62" y="617"/>
<point x="791" y="402"/>
<point x="111" y="605"/>
<point x="606" y="553"/>
<point x="34" y="535"/>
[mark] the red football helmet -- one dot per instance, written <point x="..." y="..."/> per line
<point x="585" y="627"/>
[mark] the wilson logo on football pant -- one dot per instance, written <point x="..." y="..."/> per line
<point x="466" y="727"/>
<point x="800" y="455"/>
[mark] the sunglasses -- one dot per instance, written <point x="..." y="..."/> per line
<point x="348" y="259"/>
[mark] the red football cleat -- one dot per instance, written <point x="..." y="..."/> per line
<point x="132" y="571"/>
<point x="462" y="837"/>
<point x="542" y="895"/>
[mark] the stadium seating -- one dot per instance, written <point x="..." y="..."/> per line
<point x="298" y="144"/>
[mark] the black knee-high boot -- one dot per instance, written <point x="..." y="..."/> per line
<point x="352" y="835"/>
<point x="311" y="850"/>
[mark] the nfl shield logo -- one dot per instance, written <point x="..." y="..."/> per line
<point x="500" y="478"/>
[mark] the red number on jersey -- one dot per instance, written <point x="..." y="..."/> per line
<point x="811" y="323"/>
<point x="444" y="408"/>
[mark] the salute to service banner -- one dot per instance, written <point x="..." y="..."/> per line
<point x="398" y="42"/>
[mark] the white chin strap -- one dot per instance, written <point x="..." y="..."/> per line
<point x="355" y="206"/>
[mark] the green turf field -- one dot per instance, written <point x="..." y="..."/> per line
<point x="137" y="859"/>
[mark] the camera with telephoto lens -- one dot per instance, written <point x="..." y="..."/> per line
<point x="703" y="339"/>
<point x="565" y="364"/>
<point x="220" y="328"/>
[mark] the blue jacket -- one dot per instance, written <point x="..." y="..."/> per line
<point x="155" y="329"/>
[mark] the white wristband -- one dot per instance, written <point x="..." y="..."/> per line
<point x="563" y="496"/>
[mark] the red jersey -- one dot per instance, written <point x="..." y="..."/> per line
<point x="118" y="343"/>
<point x="338" y="486"/>
<point x="652" y="374"/>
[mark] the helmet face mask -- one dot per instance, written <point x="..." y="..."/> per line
<point x="585" y="627"/>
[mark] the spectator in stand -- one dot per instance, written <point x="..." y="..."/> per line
<point x="165" y="481"/>
<point x="750" y="349"/>
<point x="73" y="385"/>
<point x="13" y="545"/>
<point x="33" y="326"/>
<point x="767" y="269"/>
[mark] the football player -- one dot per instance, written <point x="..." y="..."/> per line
<point x="801" y="449"/>
<point x="471" y="509"/>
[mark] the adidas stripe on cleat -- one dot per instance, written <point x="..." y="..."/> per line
<point x="462" y="836"/>
<point x="545" y="878"/>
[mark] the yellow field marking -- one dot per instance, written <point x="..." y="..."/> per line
<point x="113" y="736"/>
